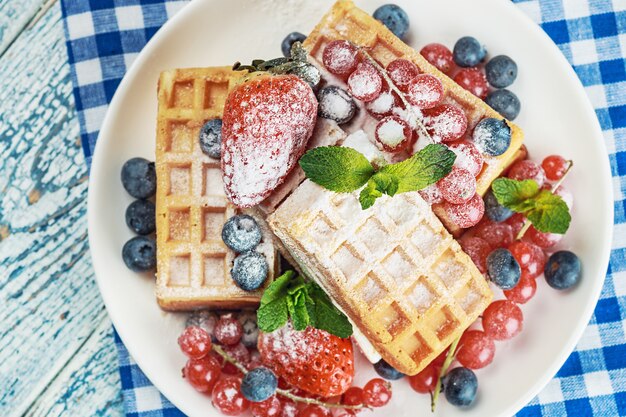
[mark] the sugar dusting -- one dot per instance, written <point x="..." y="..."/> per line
<point x="391" y="132"/>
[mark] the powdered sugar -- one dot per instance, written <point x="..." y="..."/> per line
<point x="392" y="132"/>
<point x="382" y="105"/>
<point x="425" y="91"/>
<point x="467" y="157"/>
<point x="365" y="83"/>
<point x="445" y="123"/>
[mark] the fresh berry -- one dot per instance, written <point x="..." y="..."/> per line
<point x="139" y="254"/>
<point x="401" y="72"/>
<point x="529" y="256"/>
<point x="498" y="235"/>
<point x="516" y="221"/>
<point x="345" y="413"/>
<point x="501" y="71"/>
<point x="313" y="410"/>
<point x="424" y="91"/>
<point x="228" y="330"/>
<point x="445" y="123"/>
<point x="377" y="392"/>
<point x="387" y="371"/>
<point x="503" y="269"/>
<point x="259" y="384"/>
<point x="340" y="58"/>
<point x="353" y="396"/>
<point x="458" y="187"/>
<point x="140" y="217"/>
<point x="439" y="56"/>
<point x="238" y="352"/>
<point x="467" y="214"/>
<point x="502" y="320"/>
<point x="439" y="360"/>
<point x="554" y="167"/>
<point x="467" y="156"/>
<point x="365" y="83"/>
<point x="384" y="104"/>
<point x="393" y="134"/>
<point x="527" y="170"/>
<point x="203" y="373"/>
<point x="227" y="397"/>
<point x="394" y="17"/>
<point x="195" y="342"/>
<point x="563" y="270"/>
<point x="566" y="195"/>
<point x="494" y="210"/>
<point x="543" y="240"/>
<point x="267" y="123"/>
<point x="431" y="194"/>
<point x="476" y="349"/>
<point x="336" y="104"/>
<point x="474" y="81"/>
<point x="241" y="233"/>
<point x="523" y="291"/>
<point x="272" y="407"/>
<point x="289" y="407"/>
<point x="478" y="250"/>
<point x="250" y="328"/>
<point x="460" y="386"/>
<point x="492" y="136"/>
<point x="426" y="380"/>
<point x="211" y="138"/>
<point x="139" y="178"/>
<point x="504" y="102"/>
<point x="255" y="360"/>
<point x="468" y="52"/>
<point x="250" y="270"/>
<point x="312" y="360"/>
<point x="289" y="40"/>
<point x="204" y="319"/>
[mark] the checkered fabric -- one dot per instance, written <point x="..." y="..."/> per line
<point x="105" y="36"/>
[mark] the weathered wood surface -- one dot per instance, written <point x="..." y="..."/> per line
<point x="57" y="356"/>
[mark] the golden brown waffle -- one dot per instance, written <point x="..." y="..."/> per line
<point x="193" y="264"/>
<point x="394" y="270"/>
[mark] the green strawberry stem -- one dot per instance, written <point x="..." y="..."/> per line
<point x="528" y="223"/>
<point x="444" y="370"/>
<point x="286" y="393"/>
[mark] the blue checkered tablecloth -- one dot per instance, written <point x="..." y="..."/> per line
<point x="105" y="36"/>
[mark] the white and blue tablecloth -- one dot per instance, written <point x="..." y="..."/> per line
<point x="105" y="36"/>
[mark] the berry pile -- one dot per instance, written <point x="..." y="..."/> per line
<point x="242" y="234"/>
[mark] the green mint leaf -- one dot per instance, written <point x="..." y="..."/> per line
<point x="274" y="311"/>
<point x="424" y="168"/>
<point x="385" y="183"/>
<point x="368" y="195"/>
<point x="550" y="213"/>
<point x="515" y="195"/>
<point x="327" y="316"/>
<point x="336" y="168"/>
<point x="300" y="315"/>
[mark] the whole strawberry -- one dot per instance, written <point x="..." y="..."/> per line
<point x="312" y="360"/>
<point x="266" y="125"/>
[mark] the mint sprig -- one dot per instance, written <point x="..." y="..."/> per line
<point x="345" y="170"/>
<point x="546" y="211"/>
<point x="290" y="296"/>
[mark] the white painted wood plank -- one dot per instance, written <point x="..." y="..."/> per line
<point x="14" y="17"/>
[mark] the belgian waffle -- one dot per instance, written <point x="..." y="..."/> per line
<point x="193" y="264"/>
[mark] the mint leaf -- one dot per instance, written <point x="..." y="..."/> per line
<point x="300" y="314"/>
<point x="380" y="183"/>
<point x="515" y="194"/>
<point x="327" y="316"/>
<point x="424" y="168"/>
<point x="550" y="213"/>
<point x="274" y="311"/>
<point x="336" y="168"/>
<point x="368" y="195"/>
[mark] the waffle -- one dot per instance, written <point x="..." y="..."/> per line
<point x="193" y="264"/>
<point x="346" y="21"/>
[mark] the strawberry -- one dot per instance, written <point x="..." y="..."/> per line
<point x="312" y="360"/>
<point x="267" y="122"/>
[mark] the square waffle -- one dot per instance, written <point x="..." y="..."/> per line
<point x="193" y="264"/>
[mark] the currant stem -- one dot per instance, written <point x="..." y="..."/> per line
<point x="444" y="369"/>
<point x="528" y="223"/>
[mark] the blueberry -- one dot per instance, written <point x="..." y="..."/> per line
<point x="563" y="270"/>
<point x="503" y="269"/>
<point x="259" y="384"/>
<point x="492" y="136"/>
<point x="394" y="17"/>
<point x="504" y="102"/>
<point x="139" y="254"/>
<point x="387" y="371"/>
<point x="250" y="270"/>
<point x="460" y="386"/>
<point x="211" y="138"/>
<point x="468" y="52"/>
<point x="309" y="73"/>
<point x="501" y="71"/>
<point x="336" y="104"/>
<point x="140" y="217"/>
<point x="241" y="233"/>
<point x="494" y="210"/>
<point x="139" y="177"/>
<point x="250" y="329"/>
<point x="289" y="40"/>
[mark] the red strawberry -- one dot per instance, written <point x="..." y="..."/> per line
<point x="266" y="125"/>
<point x="312" y="360"/>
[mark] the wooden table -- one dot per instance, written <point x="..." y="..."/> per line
<point x="57" y="355"/>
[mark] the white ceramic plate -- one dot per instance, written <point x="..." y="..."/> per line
<point x="556" y="117"/>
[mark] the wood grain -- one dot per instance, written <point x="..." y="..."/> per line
<point x="14" y="17"/>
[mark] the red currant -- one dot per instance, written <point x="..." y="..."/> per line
<point x="445" y="123"/>
<point x="272" y="407"/>
<point x="241" y="354"/>
<point x="527" y="170"/>
<point x="502" y="320"/>
<point x="203" y="373"/>
<point x="377" y="392"/>
<point x="425" y="91"/>
<point x="345" y="413"/>
<point x="227" y="397"/>
<point x="439" y="360"/>
<point x="353" y="396"/>
<point x="228" y="330"/>
<point x="523" y="291"/>
<point x="384" y="104"/>
<point x="313" y="410"/>
<point x="554" y="166"/>
<point x="425" y="381"/>
<point x="477" y="249"/>
<point x="467" y="214"/>
<point x="439" y="56"/>
<point x="458" y="187"/>
<point x="340" y="58"/>
<point x="530" y="257"/>
<point x="543" y="240"/>
<point x="476" y="349"/>
<point x="474" y="81"/>
<point x="393" y="134"/>
<point x="195" y="342"/>
<point x="467" y="156"/>
<point x="289" y="407"/>
<point x="516" y="221"/>
<point x="365" y="83"/>
<point x="401" y="72"/>
<point x="431" y="194"/>
<point x="498" y="235"/>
